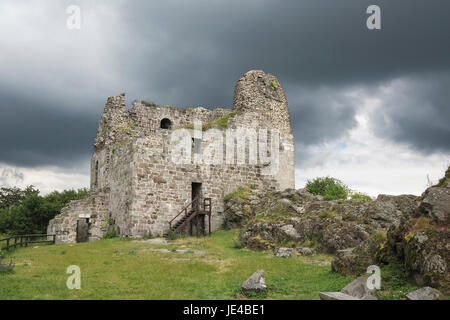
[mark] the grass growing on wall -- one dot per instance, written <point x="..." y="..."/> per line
<point x="220" y="122"/>
<point x="129" y="269"/>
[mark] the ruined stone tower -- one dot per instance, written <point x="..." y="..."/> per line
<point x="137" y="183"/>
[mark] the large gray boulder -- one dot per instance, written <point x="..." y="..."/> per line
<point x="255" y="284"/>
<point x="358" y="288"/>
<point x="425" y="293"/>
<point x="436" y="203"/>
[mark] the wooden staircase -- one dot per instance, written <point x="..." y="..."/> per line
<point x="199" y="207"/>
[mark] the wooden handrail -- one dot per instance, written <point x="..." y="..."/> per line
<point x="206" y="203"/>
<point x="183" y="210"/>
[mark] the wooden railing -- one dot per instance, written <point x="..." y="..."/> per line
<point x="24" y="240"/>
<point x="185" y="210"/>
<point x="195" y="206"/>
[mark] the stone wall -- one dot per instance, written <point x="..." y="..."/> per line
<point x="93" y="207"/>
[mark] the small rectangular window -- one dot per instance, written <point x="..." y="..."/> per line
<point x="197" y="145"/>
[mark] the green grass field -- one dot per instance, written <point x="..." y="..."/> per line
<point x="129" y="269"/>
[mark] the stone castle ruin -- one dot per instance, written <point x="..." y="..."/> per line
<point x="137" y="186"/>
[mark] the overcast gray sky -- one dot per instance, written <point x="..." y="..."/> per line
<point x="370" y="107"/>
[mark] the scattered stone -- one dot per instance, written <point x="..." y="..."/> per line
<point x="161" y="250"/>
<point x="425" y="293"/>
<point x="336" y="296"/>
<point x="156" y="241"/>
<point x="285" y="253"/>
<point x="199" y="252"/>
<point x="306" y="251"/>
<point x="187" y="250"/>
<point x="256" y="283"/>
<point x="358" y="288"/>
<point x="317" y="262"/>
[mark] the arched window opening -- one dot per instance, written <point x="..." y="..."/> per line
<point x="166" y="124"/>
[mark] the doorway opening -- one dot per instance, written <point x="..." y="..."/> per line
<point x="82" y="230"/>
<point x="196" y="190"/>
<point x="197" y="224"/>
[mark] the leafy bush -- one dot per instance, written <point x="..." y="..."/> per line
<point x="360" y="196"/>
<point x="111" y="233"/>
<point x="173" y="235"/>
<point x="148" y="235"/>
<point x="14" y="196"/>
<point x="329" y="188"/>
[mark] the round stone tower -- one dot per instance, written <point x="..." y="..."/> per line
<point x="260" y="96"/>
<point x="262" y="93"/>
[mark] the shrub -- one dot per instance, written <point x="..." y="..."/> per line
<point x="173" y="235"/>
<point x="358" y="195"/>
<point x="329" y="188"/>
<point x="274" y="85"/>
<point x="111" y="233"/>
<point x="148" y="235"/>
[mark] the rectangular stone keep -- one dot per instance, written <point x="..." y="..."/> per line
<point x="137" y="188"/>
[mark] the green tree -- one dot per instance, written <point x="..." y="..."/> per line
<point x="32" y="213"/>
<point x="14" y="196"/>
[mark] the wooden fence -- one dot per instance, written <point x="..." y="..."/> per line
<point x="24" y="240"/>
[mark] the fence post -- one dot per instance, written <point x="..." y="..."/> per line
<point x="7" y="244"/>
<point x="21" y="241"/>
<point x="15" y="242"/>
<point x="54" y="238"/>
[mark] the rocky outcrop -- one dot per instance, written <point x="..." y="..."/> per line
<point x="420" y="242"/>
<point x="408" y="229"/>
<point x="272" y="218"/>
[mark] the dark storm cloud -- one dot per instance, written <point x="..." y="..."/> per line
<point x="308" y="42"/>
<point x="33" y="133"/>
<point x="192" y="52"/>
<point x="417" y="112"/>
